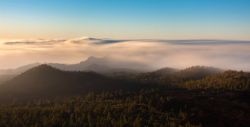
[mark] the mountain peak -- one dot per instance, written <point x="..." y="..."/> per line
<point x="93" y="60"/>
<point x="86" y="38"/>
<point x="42" y="68"/>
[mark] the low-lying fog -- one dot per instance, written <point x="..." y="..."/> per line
<point x="156" y="53"/>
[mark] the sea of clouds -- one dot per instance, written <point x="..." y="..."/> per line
<point x="225" y="54"/>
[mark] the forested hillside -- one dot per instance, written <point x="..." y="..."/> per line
<point x="147" y="107"/>
<point x="194" y="97"/>
<point x="230" y="80"/>
<point x="170" y="76"/>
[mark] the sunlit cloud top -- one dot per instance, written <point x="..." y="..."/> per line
<point x="225" y="54"/>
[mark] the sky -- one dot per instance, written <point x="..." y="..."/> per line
<point x="125" y="19"/>
<point x="160" y="33"/>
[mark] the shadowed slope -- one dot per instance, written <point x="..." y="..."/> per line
<point x="47" y="81"/>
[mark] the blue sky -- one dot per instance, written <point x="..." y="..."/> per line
<point x="161" y="19"/>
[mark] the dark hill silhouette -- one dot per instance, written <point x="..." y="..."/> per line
<point x="45" y="80"/>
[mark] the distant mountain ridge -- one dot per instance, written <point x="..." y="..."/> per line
<point x="99" y="65"/>
<point x="103" y="66"/>
<point x="120" y="69"/>
<point x="52" y="81"/>
<point x="18" y="70"/>
<point x="45" y="80"/>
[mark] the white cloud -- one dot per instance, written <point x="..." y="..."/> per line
<point x="157" y="53"/>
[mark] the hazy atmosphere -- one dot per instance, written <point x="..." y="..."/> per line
<point x="156" y="32"/>
<point x="124" y="63"/>
<point x="156" y="53"/>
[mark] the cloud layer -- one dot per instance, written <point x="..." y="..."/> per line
<point x="156" y="53"/>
